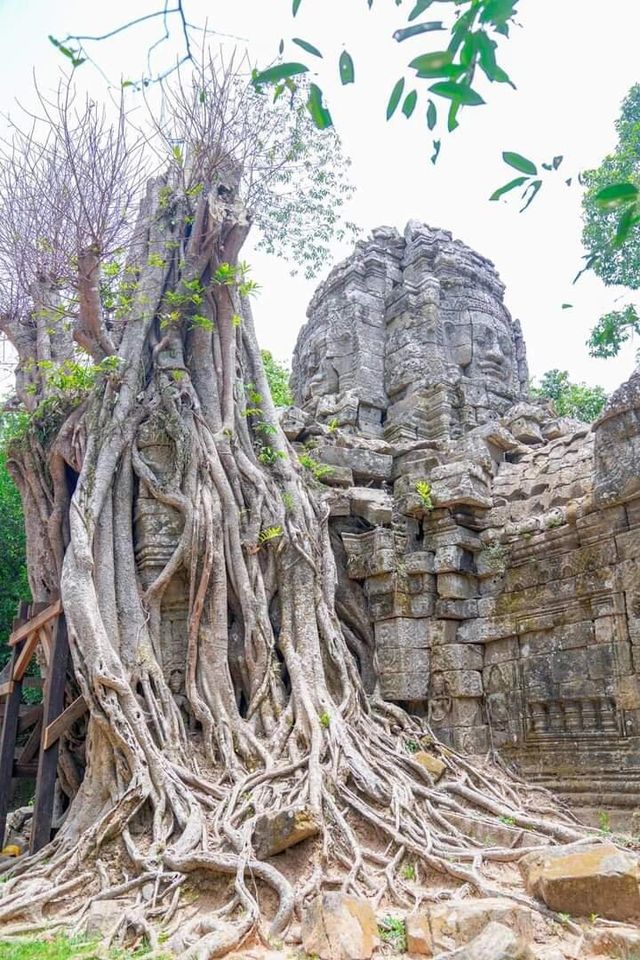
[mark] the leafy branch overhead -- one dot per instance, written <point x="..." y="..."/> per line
<point x="449" y="72"/>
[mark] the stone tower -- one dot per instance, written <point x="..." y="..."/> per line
<point x="488" y="551"/>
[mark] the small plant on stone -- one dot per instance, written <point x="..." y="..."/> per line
<point x="392" y="930"/>
<point x="325" y="720"/>
<point x="288" y="500"/>
<point x="496" y="556"/>
<point x="270" y="533"/>
<point x="412" y="746"/>
<point x="317" y="469"/>
<point x="408" y="871"/>
<point x="509" y="821"/>
<point x="333" y="425"/>
<point x="423" y="489"/>
<point x="564" y="918"/>
<point x="269" y="456"/>
<point x="553" y="521"/>
<point x="604" y="821"/>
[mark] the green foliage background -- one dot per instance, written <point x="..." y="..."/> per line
<point x="14" y="585"/>
<point x="278" y="380"/>
<point x="615" y="264"/>
<point x="575" y="400"/>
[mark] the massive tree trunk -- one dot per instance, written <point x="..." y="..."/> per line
<point x="170" y="487"/>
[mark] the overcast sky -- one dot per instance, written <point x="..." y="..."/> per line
<point x="572" y="60"/>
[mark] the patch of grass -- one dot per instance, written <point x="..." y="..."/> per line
<point x="510" y="822"/>
<point x="62" y="947"/>
<point x="392" y="930"/>
<point x="408" y="871"/>
<point x="59" y="947"/>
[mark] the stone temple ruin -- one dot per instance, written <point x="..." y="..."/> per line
<point x="487" y="550"/>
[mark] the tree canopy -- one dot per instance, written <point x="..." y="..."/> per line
<point x="575" y="400"/>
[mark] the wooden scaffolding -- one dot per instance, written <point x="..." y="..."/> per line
<point x="30" y="734"/>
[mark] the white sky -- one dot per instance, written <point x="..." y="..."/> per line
<point x="573" y="61"/>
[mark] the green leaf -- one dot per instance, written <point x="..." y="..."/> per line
<point x="567" y="306"/>
<point x="67" y="52"/>
<point x="459" y="92"/>
<point x="518" y="162"/>
<point x="409" y="104"/>
<point x="347" y="69"/>
<point x="436" y="150"/>
<point x="319" y="113"/>
<point x="512" y="185"/>
<point x="419" y="8"/>
<point x="626" y="223"/>
<point x="534" y="186"/>
<point x="417" y="29"/>
<point x="296" y="6"/>
<point x="616" y="195"/>
<point x="498" y="12"/>
<point x="394" y="99"/>
<point x="500" y="76"/>
<point x="309" y="47"/>
<point x="280" y="72"/>
<point x="452" y="118"/>
<point x="432" y="115"/>
<point x="487" y="54"/>
<point x="281" y="47"/>
<point x="432" y="63"/>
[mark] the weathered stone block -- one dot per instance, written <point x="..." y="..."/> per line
<point x="458" y="656"/>
<point x="419" y="935"/>
<point x="463" y="683"/>
<point x="275" y="832"/>
<point x="374" y="506"/>
<point x="434" y="765"/>
<point x="455" y="923"/>
<point x="600" y="879"/>
<point x="337" y="927"/>
<point x="456" y="586"/>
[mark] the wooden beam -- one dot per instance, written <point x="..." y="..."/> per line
<point x="26" y="653"/>
<point x="31" y="747"/>
<point x="29" y="715"/>
<point x="53" y="610"/>
<point x="55" y="730"/>
<point x="8" y="743"/>
<point x="6" y="688"/>
<point x="48" y="760"/>
<point x="25" y="771"/>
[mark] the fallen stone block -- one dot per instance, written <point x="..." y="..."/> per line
<point x="435" y="766"/>
<point x="496" y="942"/>
<point x="419" y="935"/>
<point x="275" y="832"/>
<point x="456" y="923"/>
<point x="598" y="878"/>
<point x="337" y="927"/>
<point x="103" y="917"/>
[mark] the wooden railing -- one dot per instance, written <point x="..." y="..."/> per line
<point x="44" y="625"/>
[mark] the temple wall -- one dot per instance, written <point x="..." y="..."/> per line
<point x="504" y="603"/>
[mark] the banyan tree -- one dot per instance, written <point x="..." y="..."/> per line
<point x="189" y="548"/>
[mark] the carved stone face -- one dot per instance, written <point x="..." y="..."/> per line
<point x="482" y="345"/>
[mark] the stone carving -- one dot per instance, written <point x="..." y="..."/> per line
<point x="490" y="548"/>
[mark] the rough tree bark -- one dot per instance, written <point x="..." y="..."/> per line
<point x="173" y="783"/>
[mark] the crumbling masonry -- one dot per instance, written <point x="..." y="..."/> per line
<point x="487" y="550"/>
